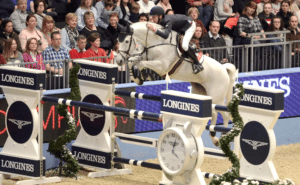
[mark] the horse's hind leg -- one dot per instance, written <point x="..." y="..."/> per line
<point x="199" y="89"/>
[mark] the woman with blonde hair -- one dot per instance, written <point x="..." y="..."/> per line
<point x="90" y="28"/>
<point x="194" y="14"/>
<point x="48" y="26"/>
<point x="32" y="55"/>
<point x="70" y="33"/>
<point x="86" y="5"/>
<point x="11" y="54"/>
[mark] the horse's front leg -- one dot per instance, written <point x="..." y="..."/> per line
<point x="133" y="70"/>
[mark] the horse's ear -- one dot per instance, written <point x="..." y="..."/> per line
<point x="129" y="30"/>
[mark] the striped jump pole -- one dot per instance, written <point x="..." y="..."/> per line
<point x="214" y="128"/>
<point x="123" y="111"/>
<point x="137" y="163"/>
<point x="138" y="95"/>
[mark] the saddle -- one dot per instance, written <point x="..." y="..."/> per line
<point x="193" y="44"/>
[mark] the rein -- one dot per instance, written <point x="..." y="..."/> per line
<point x="145" y="48"/>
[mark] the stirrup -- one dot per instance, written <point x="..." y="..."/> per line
<point x="197" y="68"/>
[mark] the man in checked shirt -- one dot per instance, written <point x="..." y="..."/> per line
<point x="56" y="52"/>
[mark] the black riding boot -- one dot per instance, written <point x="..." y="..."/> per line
<point x="197" y="67"/>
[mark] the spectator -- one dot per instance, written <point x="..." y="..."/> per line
<point x="194" y="14"/>
<point x="294" y="35"/>
<point x="90" y="27"/>
<point x="223" y="10"/>
<point x="276" y="25"/>
<point x="1" y="20"/>
<point x="205" y="9"/>
<point x="117" y="8"/>
<point x="86" y="5"/>
<point x="31" y="32"/>
<point x="170" y="12"/>
<point x="69" y="33"/>
<point x="145" y="6"/>
<point x="48" y="26"/>
<point x="48" y="9"/>
<point x="125" y="7"/>
<point x="143" y="17"/>
<point x="39" y="6"/>
<point x="134" y="11"/>
<point x="6" y="8"/>
<point x="7" y="31"/>
<point x="248" y="23"/>
<point x="294" y="9"/>
<point x="56" y="52"/>
<point x="260" y="6"/>
<point x="276" y="6"/>
<point x="284" y="13"/>
<point x="96" y="51"/>
<point x="32" y="55"/>
<point x="103" y="7"/>
<point x="213" y="39"/>
<point x="18" y="17"/>
<point x="239" y="6"/>
<point x="197" y="41"/>
<point x="165" y="4"/>
<point x="79" y="50"/>
<point x="266" y="16"/>
<point x="114" y="28"/>
<point x="11" y="54"/>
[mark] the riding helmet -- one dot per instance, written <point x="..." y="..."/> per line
<point x="157" y="10"/>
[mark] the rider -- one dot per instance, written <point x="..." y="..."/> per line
<point x="179" y="23"/>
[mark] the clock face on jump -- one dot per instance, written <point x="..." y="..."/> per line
<point x="172" y="151"/>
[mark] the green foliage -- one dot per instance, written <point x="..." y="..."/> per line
<point x="58" y="147"/>
<point x="233" y="173"/>
<point x="225" y="140"/>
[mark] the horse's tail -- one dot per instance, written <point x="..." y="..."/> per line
<point x="232" y="72"/>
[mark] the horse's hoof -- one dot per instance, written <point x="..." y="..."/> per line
<point x="144" y="74"/>
<point x="138" y="81"/>
<point x="134" y="70"/>
<point x="215" y="141"/>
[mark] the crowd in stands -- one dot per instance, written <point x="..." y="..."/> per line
<point x="29" y="29"/>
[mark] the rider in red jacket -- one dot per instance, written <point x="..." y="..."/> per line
<point x="179" y="23"/>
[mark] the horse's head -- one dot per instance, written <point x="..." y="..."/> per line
<point x="128" y="46"/>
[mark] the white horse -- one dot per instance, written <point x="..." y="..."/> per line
<point x="160" y="55"/>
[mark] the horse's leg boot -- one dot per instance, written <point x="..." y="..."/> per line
<point x="197" y="67"/>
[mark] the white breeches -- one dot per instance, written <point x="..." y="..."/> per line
<point x="188" y="36"/>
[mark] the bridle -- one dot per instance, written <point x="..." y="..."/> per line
<point x="127" y="54"/>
